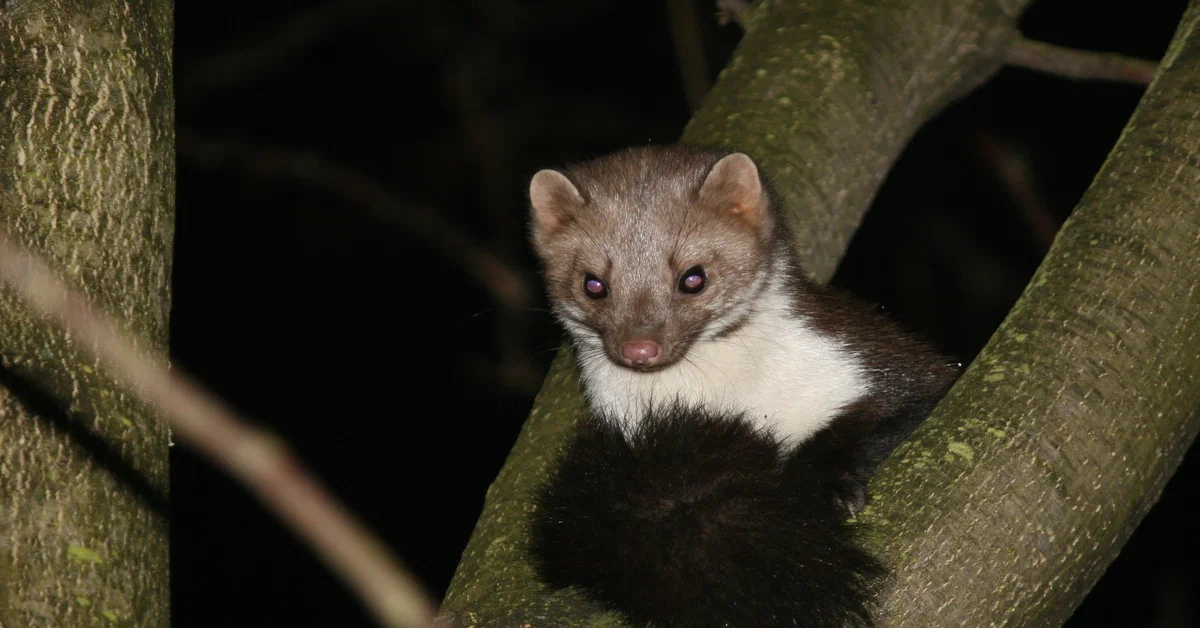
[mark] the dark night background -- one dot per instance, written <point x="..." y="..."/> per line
<point x="387" y="364"/>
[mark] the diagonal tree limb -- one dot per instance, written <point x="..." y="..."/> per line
<point x="261" y="461"/>
<point x="1011" y="500"/>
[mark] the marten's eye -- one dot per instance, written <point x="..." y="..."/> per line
<point x="692" y="280"/>
<point x="593" y="287"/>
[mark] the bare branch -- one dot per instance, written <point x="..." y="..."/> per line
<point x="1080" y="65"/>
<point x="515" y="374"/>
<point x="507" y="286"/>
<point x="487" y="142"/>
<point x="731" y="11"/>
<point x="1013" y="169"/>
<point x="266" y="51"/>
<point x="260" y="460"/>
<point x="689" y="51"/>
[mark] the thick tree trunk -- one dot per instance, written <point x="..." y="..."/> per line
<point x="87" y="181"/>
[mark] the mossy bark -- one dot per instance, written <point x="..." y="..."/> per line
<point x="87" y="181"/>
<point x="825" y="94"/>
<point x="1010" y="501"/>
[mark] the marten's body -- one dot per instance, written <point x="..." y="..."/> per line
<point x="737" y="409"/>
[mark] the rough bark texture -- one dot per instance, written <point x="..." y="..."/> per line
<point x="87" y="181"/>
<point x="825" y="94"/>
<point x="1009" y="503"/>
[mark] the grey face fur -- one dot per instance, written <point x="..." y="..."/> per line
<point x="637" y="220"/>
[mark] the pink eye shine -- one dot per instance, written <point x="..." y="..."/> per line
<point x="692" y="280"/>
<point x="593" y="287"/>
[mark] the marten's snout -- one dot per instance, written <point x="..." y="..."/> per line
<point x="640" y="353"/>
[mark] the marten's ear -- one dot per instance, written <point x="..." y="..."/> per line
<point x="555" y="200"/>
<point x="733" y="186"/>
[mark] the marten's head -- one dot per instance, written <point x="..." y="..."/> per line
<point x="650" y="249"/>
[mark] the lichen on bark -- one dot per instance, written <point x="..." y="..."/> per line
<point x="87" y="182"/>
<point x="1010" y="501"/>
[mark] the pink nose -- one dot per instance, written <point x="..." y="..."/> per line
<point x="640" y="352"/>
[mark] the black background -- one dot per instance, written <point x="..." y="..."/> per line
<point x="390" y="369"/>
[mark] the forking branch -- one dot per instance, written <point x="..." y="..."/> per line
<point x="1080" y="65"/>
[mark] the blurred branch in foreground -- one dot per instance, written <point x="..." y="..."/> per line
<point x="258" y="459"/>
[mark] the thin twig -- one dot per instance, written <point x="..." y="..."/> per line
<point x="489" y="144"/>
<point x="260" y="460"/>
<point x="1015" y="172"/>
<point x="507" y="286"/>
<point x="1080" y="65"/>
<point x="262" y="53"/>
<point x="689" y="50"/>
<point x="731" y="11"/>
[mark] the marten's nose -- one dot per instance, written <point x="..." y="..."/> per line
<point x="640" y="352"/>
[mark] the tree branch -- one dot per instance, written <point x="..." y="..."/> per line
<point x="731" y="11"/>
<point x="261" y="461"/>
<point x="263" y="53"/>
<point x="1014" y="171"/>
<point x="1080" y="65"/>
<point x="689" y="50"/>
<point x="506" y="285"/>
<point x="1026" y="53"/>
<point x="1010" y="501"/>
